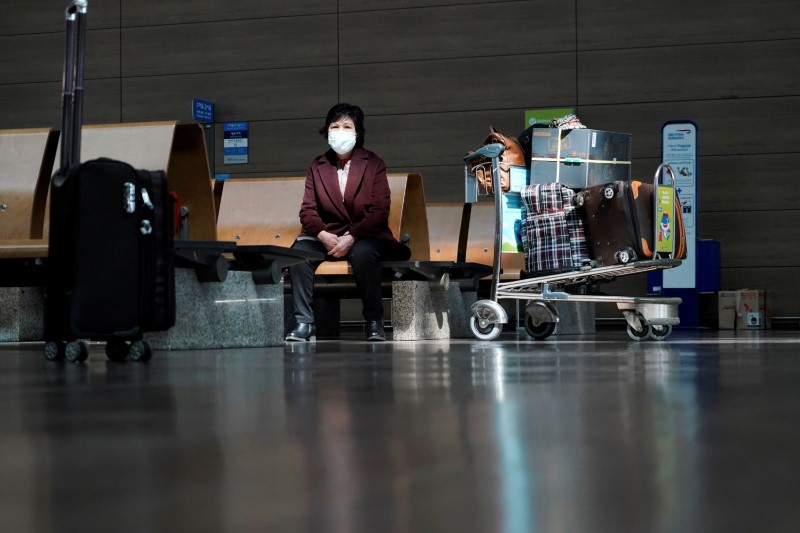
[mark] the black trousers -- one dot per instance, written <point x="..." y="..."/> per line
<point x="365" y="257"/>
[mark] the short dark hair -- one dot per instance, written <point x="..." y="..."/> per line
<point x="342" y="110"/>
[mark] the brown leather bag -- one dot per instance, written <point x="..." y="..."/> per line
<point x="513" y="155"/>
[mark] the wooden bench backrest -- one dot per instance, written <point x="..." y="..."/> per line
<point x="260" y="210"/>
<point x="26" y="164"/>
<point x="178" y="149"/>
<point x="447" y="230"/>
<point x="480" y="241"/>
<point x="266" y="211"/>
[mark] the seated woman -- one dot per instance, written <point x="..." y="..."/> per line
<point x="345" y="214"/>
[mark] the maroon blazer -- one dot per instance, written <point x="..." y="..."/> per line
<point x="364" y="210"/>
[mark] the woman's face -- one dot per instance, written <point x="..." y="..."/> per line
<point x="344" y="123"/>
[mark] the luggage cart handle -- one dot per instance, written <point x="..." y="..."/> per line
<point x="667" y="167"/>
<point x="77" y="6"/>
<point x="490" y="150"/>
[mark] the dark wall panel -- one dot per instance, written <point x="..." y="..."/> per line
<point x="42" y="16"/>
<point x="443" y="183"/>
<point x="459" y="84"/>
<point x="725" y="127"/>
<point x="158" y="12"/>
<point x="435" y="138"/>
<point x="760" y="182"/>
<point x="738" y="183"/>
<point x="38" y="105"/>
<point x="229" y="46"/>
<point x="637" y="24"/>
<point x="257" y="95"/>
<point x="755" y="238"/>
<point x="277" y="148"/>
<point x="698" y="72"/>
<point x="40" y="57"/>
<point x="457" y="31"/>
<point x="492" y="7"/>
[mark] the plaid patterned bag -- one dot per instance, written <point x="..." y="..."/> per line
<point x="553" y="236"/>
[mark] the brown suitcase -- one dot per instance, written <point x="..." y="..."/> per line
<point x="619" y="222"/>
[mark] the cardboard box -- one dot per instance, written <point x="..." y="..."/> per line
<point x="579" y="158"/>
<point x="744" y="309"/>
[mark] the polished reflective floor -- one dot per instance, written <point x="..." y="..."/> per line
<point x="700" y="433"/>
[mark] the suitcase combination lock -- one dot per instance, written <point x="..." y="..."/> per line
<point x="129" y="197"/>
<point x="146" y="199"/>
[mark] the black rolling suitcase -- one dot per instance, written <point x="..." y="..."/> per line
<point x="110" y="267"/>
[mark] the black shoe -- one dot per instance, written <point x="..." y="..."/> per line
<point x="374" y="330"/>
<point x="302" y="332"/>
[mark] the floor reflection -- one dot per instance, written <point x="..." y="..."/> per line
<point x="573" y="434"/>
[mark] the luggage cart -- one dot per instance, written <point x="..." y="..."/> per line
<point x="646" y="317"/>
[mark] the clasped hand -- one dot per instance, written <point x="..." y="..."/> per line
<point x="335" y="245"/>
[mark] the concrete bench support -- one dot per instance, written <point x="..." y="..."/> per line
<point x="420" y="312"/>
<point x="575" y="318"/>
<point x="21" y="314"/>
<point x="235" y="313"/>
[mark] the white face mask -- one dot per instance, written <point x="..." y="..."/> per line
<point x="342" y="141"/>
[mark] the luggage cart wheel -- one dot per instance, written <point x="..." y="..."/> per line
<point x="538" y="331"/>
<point x="485" y="324"/>
<point x="117" y="350"/>
<point x="76" y="352"/>
<point x="540" y="320"/>
<point x="54" y="351"/>
<point x="640" y="335"/>
<point x="659" y="333"/>
<point x="140" y="351"/>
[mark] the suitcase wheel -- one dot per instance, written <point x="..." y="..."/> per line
<point x="54" y="351"/>
<point x="610" y="190"/>
<point x="626" y="256"/>
<point x="117" y="350"/>
<point x="580" y="199"/>
<point x="76" y="352"/>
<point x="140" y="351"/>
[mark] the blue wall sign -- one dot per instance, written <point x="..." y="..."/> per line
<point x="235" y="147"/>
<point x="203" y="111"/>
<point x="679" y="149"/>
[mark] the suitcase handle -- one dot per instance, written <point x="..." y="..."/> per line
<point x="72" y="90"/>
<point x="665" y="168"/>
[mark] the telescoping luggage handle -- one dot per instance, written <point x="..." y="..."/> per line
<point x="664" y="210"/>
<point x="72" y="88"/>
